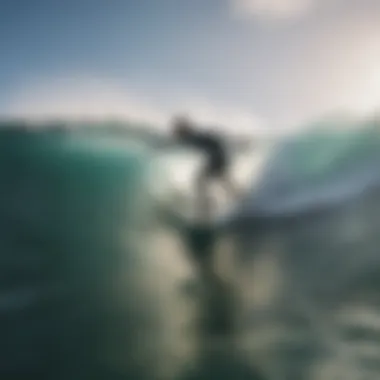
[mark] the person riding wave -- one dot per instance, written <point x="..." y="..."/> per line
<point x="217" y="161"/>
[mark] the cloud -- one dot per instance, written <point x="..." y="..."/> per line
<point x="339" y="71"/>
<point x="82" y="96"/>
<point x="271" y="9"/>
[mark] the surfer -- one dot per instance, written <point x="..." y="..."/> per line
<point x="216" y="165"/>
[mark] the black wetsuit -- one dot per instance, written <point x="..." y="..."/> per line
<point x="212" y="145"/>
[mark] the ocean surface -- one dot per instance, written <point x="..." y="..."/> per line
<point x="94" y="285"/>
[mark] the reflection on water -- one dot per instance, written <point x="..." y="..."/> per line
<point x="315" y="311"/>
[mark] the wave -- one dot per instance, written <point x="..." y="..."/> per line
<point x="93" y="280"/>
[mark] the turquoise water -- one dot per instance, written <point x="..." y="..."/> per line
<point x="66" y="204"/>
<point x="93" y="283"/>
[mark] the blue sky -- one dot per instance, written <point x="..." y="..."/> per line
<point x="242" y="63"/>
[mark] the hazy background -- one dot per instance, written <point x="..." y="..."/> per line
<point x="242" y="64"/>
<point x="245" y="66"/>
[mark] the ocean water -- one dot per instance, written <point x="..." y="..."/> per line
<point x="95" y="285"/>
<point x="308" y="258"/>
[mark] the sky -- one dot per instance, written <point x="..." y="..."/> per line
<point x="246" y="65"/>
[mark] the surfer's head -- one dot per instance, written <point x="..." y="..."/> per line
<point x="182" y="126"/>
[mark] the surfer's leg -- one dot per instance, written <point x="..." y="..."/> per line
<point x="219" y="169"/>
<point x="227" y="182"/>
<point x="202" y="196"/>
<point x="230" y="186"/>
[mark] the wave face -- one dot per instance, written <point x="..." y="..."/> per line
<point x="94" y="285"/>
<point x="89" y="278"/>
<point x="316" y="168"/>
<point x="307" y="246"/>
